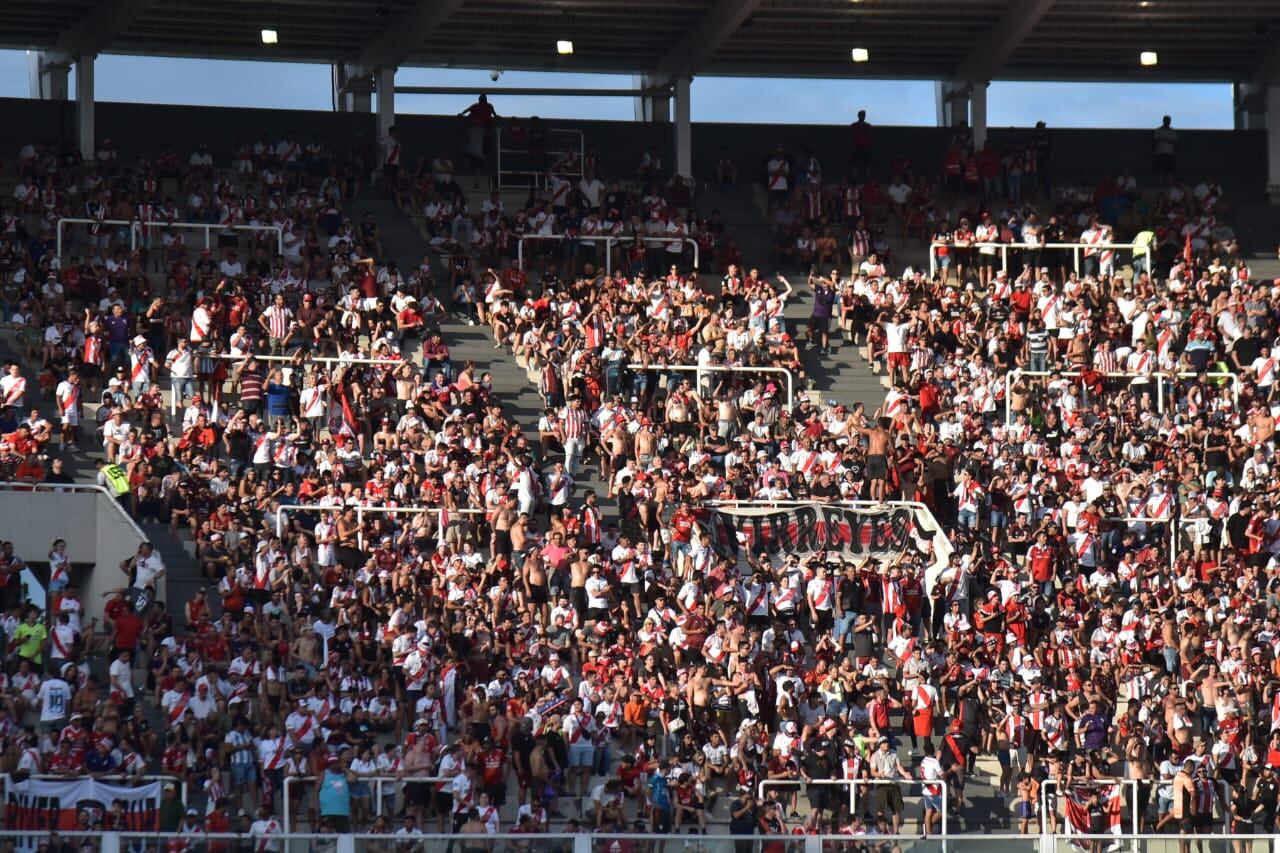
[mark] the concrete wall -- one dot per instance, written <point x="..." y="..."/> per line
<point x="94" y="527"/>
<point x="138" y="129"/>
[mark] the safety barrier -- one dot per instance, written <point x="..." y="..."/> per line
<point x="720" y="368"/>
<point x="1155" y="377"/>
<point x="804" y="786"/>
<point x="135" y="229"/>
<point x="538" y="177"/>
<point x="1003" y="248"/>
<point x="361" y="510"/>
<point x="1051" y="785"/>
<point x="601" y="842"/>
<point x="609" y="242"/>
<point x="923" y="783"/>
<point x="376" y="781"/>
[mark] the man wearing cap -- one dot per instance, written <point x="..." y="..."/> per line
<point x="333" y="794"/>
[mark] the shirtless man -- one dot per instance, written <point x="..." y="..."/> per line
<point x="519" y="533"/>
<point x="502" y="521"/>
<point x="645" y="445"/>
<point x="536" y="594"/>
<point x="879" y="444"/>
<point x="616" y="442"/>
<point x="1182" y="812"/>
<point x="698" y="694"/>
<point x="579" y="571"/>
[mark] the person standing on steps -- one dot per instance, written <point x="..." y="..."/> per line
<point x="879" y="444"/>
<point x="824" y="300"/>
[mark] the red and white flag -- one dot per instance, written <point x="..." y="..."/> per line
<point x="1110" y="796"/>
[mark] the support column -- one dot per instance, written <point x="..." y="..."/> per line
<point x="978" y="114"/>
<point x="351" y="95"/>
<point x="84" y="107"/>
<point x="651" y="108"/>
<point x="47" y="82"/>
<point x="1272" y="104"/>
<point x="1250" y="102"/>
<point x="385" y="83"/>
<point x="953" y="103"/>
<point x="684" y="129"/>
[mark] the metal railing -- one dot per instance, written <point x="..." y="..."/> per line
<point x="599" y="842"/>
<point x="1156" y="377"/>
<point x="803" y="785"/>
<point x="1076" y="251"/>
<point x="720" y="368"/>
<point x="940" y="784"/>
<point x="610" y="242"/>
<point x="360" y="511"/>
<point x="376" y="781"/>
<point x="135" y="229"/>
<point x="538" y="177"/>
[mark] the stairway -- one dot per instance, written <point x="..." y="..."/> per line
<point x="843" y="375"/>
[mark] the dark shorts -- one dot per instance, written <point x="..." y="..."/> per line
<point x="538" y="594"/>
<point x="890" y="799"/>
<point x="877" y="467"/>
<point x="820" y="324"/>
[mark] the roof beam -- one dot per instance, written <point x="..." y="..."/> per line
<point x="990" y="54"/>
<point x="96" y="31"/>
<point x="701" y="42"/>
<point x="1268" y="70"/>
<point x="398" y="41"/>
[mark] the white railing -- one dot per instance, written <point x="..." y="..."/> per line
<point x="135" y="229"/>
<point x="1155" y="377"/>
<point x="609" y="242"/>
<point x="360" y="511"/>
<point x="720" y="368"/>
<point x="539" y="176"/>
<point x="803" y="786"/>
<point x="1052" y="785"/>
<point x="376" y="781"/>
<point x="940" y="784"/>
<point x="593" y="842"/>
<point x="1076" y="250"/>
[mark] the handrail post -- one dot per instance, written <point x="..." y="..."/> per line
<point x="59" y="231"/>
<point x="933" y="260"/>
<point x="608" y="256"/>
<point x="285" y="798"/>
<point x="519" y="249"/>
<point x="1004" y="257"/>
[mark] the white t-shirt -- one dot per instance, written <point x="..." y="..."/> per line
<point x="149" y="568"/>
<point x="55" y="700"/>
<point x="121" y="674"/>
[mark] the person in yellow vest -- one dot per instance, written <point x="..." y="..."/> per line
<point x="115" y="479"/>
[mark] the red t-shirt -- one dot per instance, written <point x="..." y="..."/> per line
<point x="129" y="627"/>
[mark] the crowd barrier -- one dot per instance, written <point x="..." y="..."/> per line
<point x="609" y="242"/>
<point x="604" y="842"/>
<point x="1156" y="378"/>
<point x="1003" y="249"/>
<point x="136" y="226"/>
<point x="720" y="368"/>
<point x="360" y="511"/>
<point x="514" y="177"/>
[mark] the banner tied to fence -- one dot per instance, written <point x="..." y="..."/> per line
<point x="856" y="533"/>
<point x="48" y="805"/>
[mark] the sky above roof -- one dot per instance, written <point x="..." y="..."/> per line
<point x="277" y="85"/>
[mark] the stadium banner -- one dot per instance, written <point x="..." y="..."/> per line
<point x="856" y="533"/>
<point x="1076" y="806"/>
<point x="48" y="805"/>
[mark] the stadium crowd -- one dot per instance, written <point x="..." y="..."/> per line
<point x="457" y="635"/>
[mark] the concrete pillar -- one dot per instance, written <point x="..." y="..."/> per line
<point x="684" y="129"/>
<point x="47" y="82"/>
<point x="952" y="102"/>
<point x="1250" y="104"/>
<point x="358" y="94"/>
<point x="84" y="107"/>
<point x="1272" y="105"/>
<point x="651" y="108"/>
<point x="978" y="114"/>
<point x="385" y="83"/>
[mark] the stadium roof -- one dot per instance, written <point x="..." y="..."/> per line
<point x="1235" y="40"/>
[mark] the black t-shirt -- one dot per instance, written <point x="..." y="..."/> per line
<point x="747" y="823"/>
<point x="1247" y="349"/>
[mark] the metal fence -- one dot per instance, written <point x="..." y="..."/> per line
<point x="137" y="227"/>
